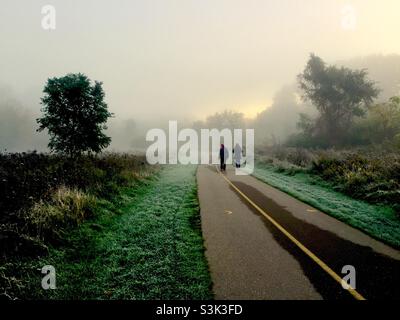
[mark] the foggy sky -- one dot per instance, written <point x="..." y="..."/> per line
<point x="185" y="59"/>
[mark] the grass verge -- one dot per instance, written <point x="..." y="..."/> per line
<point x="381" y="222"/>
<point x="145" y="243"/>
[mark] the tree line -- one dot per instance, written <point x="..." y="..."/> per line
<point x="75" y="113"/>
<point x="347" y="115"/>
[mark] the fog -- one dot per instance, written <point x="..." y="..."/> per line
<point x="165" y="60"/>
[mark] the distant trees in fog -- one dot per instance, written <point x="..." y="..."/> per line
<point x="339" y="94"/>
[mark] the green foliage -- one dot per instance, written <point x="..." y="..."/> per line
<point x="380" y="126"/>
<point x="287" y="157"/>
<point x="75" y="114"/>
<point x="144" y="244"/>
<point x="43" y="195"/>
<point x="374" y="177"/>
<point x="378" y="221"/>
<point x="339" y="94"/>
<point x="383" y="122"/>
<point x="366" y="174"/>
<point x="224" y="120"/>
<point x="396" y="141"/>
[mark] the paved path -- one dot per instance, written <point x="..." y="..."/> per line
<point x="250" y="258"/>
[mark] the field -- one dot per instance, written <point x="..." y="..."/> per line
<point x="140" y="240"/>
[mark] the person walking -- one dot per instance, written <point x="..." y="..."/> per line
<point x="237" y="155"/>
<point x="223" y="156"/>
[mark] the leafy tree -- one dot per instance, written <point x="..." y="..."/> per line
<point x="396" y="141"/>
<point x="305" y="124"/>
<point x="227" y="119"/>
<point x="339" y="94"/>
<point x="384" y="120"/>
<point x="75" y="115"/>
<point x="224" y="120"/>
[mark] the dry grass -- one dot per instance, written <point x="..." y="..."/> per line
<point x="67" y="207"/>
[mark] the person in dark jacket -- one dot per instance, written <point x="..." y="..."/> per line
<point x="223" y="156"/>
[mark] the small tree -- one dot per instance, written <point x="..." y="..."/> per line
<point x="339" y="94"/>
<point x="75" y="115"/>
<point x="384" y="120"/>
<point x="226" y="120"/>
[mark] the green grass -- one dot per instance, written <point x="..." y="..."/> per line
<point x="381" y="222"/>
<point x="145" y="244"/>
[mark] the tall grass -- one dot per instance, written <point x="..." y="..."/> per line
<point x="42" y="195"/>
<point x="67" y="208"/>
<point x="372" y="175"/>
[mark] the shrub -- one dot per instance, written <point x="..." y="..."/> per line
<point x="43" y="194"/>
<point x="373" y="177"/>
<point x="300" y="157"/>
<point x="370" y="174"/>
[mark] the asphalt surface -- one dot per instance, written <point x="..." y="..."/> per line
<point x="250" y="258"/>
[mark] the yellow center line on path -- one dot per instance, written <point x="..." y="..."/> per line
<point x="317" y="260"/>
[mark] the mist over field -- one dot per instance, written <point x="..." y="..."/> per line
<point x="275" y="122"/>
<point x="90" y="210"/>
<point x="168" y="60"/>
